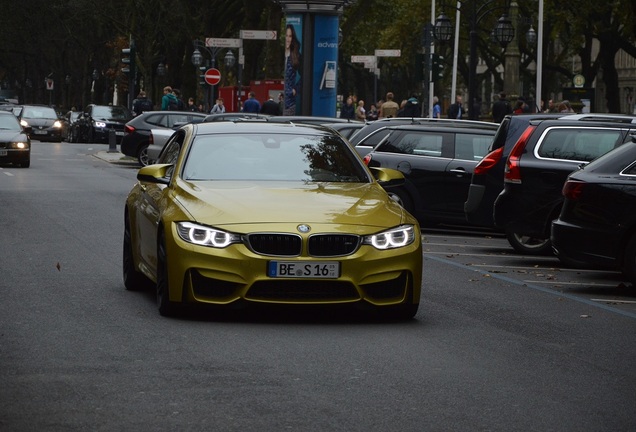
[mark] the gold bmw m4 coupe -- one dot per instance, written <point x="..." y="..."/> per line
<point x="256" y="212"/>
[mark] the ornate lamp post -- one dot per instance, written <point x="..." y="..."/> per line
<point x="503" y="33"/>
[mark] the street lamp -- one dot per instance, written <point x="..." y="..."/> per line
<point x="161" y="69"/>
<point x="503" y="33"/>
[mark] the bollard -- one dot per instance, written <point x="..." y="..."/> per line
<point x="112" y="141"/>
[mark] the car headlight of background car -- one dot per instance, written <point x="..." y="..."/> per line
<point x="20" y="145"/>
<point x="57" y="124"/>
<point x="100" y="124"/>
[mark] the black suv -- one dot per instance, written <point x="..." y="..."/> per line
<point x="137" y="131"/>
<point x="487" y="181"/>
<point x="437" y="162"/>
<point x="537" y="167"/>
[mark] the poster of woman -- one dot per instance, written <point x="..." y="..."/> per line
<point x="293" y="65"/>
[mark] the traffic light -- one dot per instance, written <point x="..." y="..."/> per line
<point x="128" y="59"/>
<point x="437" y="68"/>
<point x="202" y="70"/>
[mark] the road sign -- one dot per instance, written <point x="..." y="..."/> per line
<point x="362" y="59"/>
<point x="222" y="43"/>
<point x="212" y="76"/>
<point x="388" y="53"/>
<point x="258" y="34"/>
<point x="49" y="84"/>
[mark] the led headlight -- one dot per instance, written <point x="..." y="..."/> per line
<point x="19" y="145"/>
<point x="24" y="123"/>
<point x="57" y="124"/>
<point x="394" y="238"/>
<point x="100" y="124"/>
<point x="206" y="236"/>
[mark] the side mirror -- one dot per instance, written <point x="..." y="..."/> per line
<point x="387" y="177"/>
<point x="154" y="174"/>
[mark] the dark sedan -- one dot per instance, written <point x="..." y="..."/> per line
<point x="597" y="224"/>
<point x="96" y="122"/>
<point x="41" y="122"/>
<point x="437" y="162"/>
<point x="15" y="146"/>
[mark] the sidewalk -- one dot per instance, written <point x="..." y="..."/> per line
<point x="116" y="158"/>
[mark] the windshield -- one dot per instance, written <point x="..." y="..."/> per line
<point x="110" y="113"/>
<point x="9" y="122"/>
<point x="39" y="113"/>
<point x="273" y="157"/>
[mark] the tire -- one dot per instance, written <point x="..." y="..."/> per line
<point x="133" y="279"/>
<point x="402" y="197"/>
<point x="528" y="245"/>
<point x="629" y="260"/>
<point x="142" y="155"/>
<point x="165" y="306"/>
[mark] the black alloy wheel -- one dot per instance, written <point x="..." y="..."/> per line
<point x="529" y="245"/>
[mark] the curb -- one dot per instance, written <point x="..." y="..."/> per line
<point x="116" y="158"/>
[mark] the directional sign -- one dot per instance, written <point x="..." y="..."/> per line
<point x="212" y="76"/>
<point x="388" y="53"/>
<point x="258" y="34"/>
<point x="222" y="43"/>
<point x="362" y="59"/>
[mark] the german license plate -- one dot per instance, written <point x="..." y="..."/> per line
<point x="39" y="132"/>
<point x="303" y="269"/>
<point x="119" y="133"/>
<point x="3" y="152"/>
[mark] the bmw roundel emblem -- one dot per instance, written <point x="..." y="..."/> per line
<point x="304" y="228"/>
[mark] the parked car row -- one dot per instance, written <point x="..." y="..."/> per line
<point x="536" y="186"/>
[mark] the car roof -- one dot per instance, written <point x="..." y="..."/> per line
<point x="247" y="126"/>
<point x="311" y="119"/>
<point x="444" y="128"/>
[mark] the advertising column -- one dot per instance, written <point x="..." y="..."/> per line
<point x="293" y="65"/>
<point x="325" y="66"/>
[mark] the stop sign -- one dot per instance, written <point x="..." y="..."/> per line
<point x="212" y="76"/>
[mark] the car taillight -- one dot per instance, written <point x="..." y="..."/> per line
<point x="367" y="159"/>
<point x="151" y="139"/>
<point x="129" y="129"/>
<point x="572" y="189"/>
<point x="512" y="173"/>
<point x="488" y="161"/>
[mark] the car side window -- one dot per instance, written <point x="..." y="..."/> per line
<point x="158" y="119"/>
<point x="471" y="146"/>
<point x="415" y="143"/>
<point x="170" y="153"/>
<point x="177" y="118"/>
<point x="578" y="144"/>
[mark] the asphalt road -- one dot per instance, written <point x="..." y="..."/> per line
<point x="501" y="342"/>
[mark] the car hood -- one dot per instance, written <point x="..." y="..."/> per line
<point x="231" y="203"/>
<point x="12" y="136"/>
<point x="39" y="122"/>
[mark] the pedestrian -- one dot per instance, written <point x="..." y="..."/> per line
<point x="252" y="105"/>
<point x="518" y="107"/>
<point x="270" y="107"/>
<point x="372" y="113"/>
<point x="389" y="108"/>
<point x="348" y="111"/>
<point x="281" y="102"/>
<point x="501" y="108"/>
<point x="565" y="107"/>
<point x="361" y="113"/>
<point x="141" y="103"/>
<point x="437" y="109"/>
<point x="456" y="110"/>
<point x="411" y="108"/>
<point x="192" y="107"/>
<point x="169" y="100"/>
<point x="218" y="107"/>
<point x="180" y="104"/>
